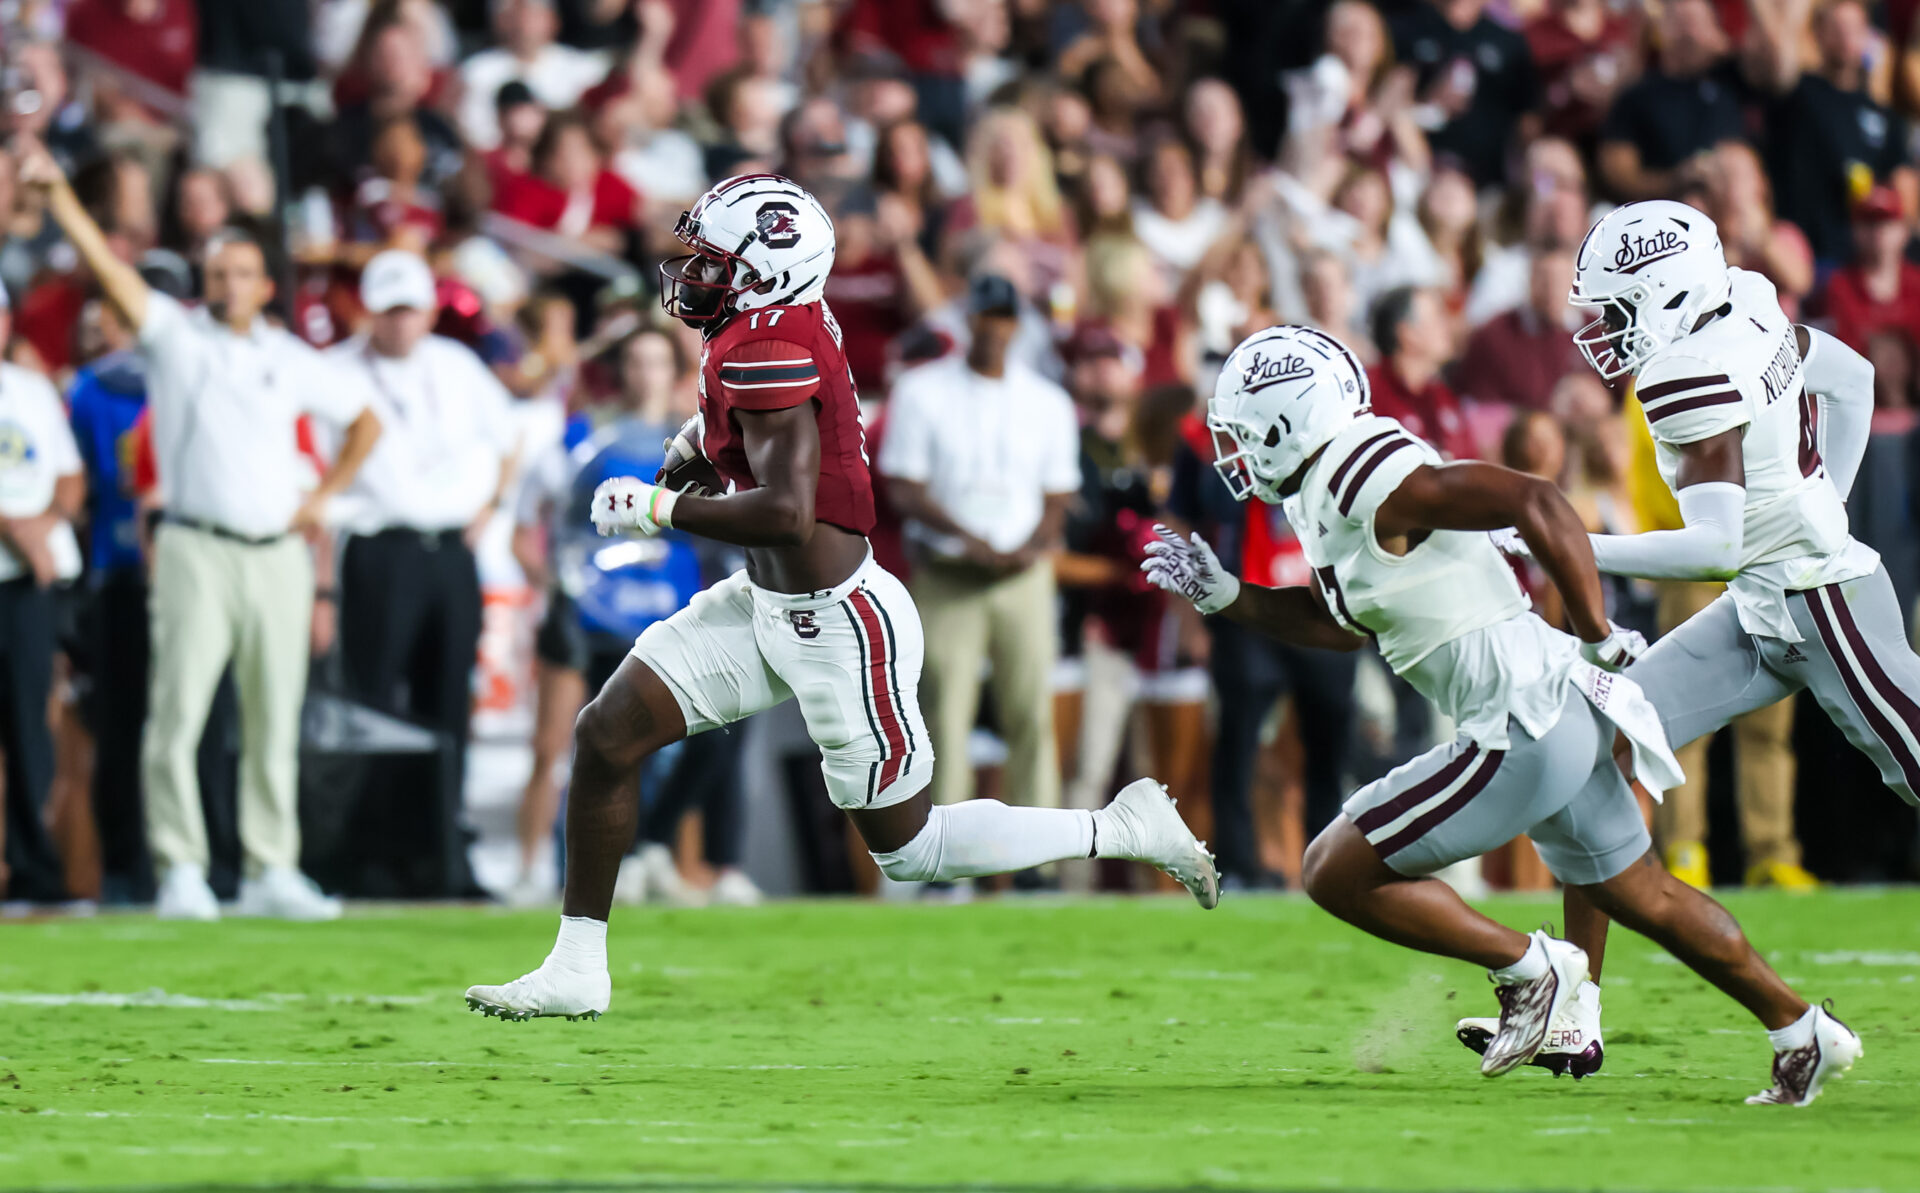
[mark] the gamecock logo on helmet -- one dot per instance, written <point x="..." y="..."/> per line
<point x="777" y="227"/>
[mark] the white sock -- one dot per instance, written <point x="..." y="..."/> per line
<point x="1531" y="965"/>
<point x="1797" y="1034"/>
<point x="581" y="945"/>
<point x="984" y="836"/>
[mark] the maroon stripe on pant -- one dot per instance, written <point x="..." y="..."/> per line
<point x="1876" y="677"/>
<point x="1387" y="813"/>
<point x="1340" y="473"/>
<point x="1421" y="827"/>
<point x="893" y="737"/>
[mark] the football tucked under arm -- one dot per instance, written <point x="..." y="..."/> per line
<point x="685" y="468"/>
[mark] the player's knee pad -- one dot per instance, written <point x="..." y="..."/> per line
<point x="919" y="859"/>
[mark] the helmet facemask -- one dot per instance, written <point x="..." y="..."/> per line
<point x="1236" y="445"/>
<point x="700" y="286"/>
<point x="1615" y="342"/>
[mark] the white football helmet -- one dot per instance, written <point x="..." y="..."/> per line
<point x="758" y="240"/>
<point x="1653" y="269"/>
<point x="1282" y="395"/>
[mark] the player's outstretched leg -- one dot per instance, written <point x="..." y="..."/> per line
<point x="1535" y="977"/>
<point x="1809" y="1045"/>
<point x="633" y="716"/>
<point x="914" y="841"/>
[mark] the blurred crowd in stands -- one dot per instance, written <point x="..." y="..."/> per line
<point x="1130" y="186"/>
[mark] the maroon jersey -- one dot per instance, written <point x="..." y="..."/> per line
<point x="774" y="358"/>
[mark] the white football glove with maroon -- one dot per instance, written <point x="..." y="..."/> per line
<point x="629" y="505"/>
<point x="1189" y="568"/>
<point x="1619" y="648"/>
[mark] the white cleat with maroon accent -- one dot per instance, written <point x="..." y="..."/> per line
<point x="1573" y="1046"/>
<point x="1142" y="825"/>
<point x="1798" y="1073"/>
<point x="550" y="992"/>
<point x="1528" y="1009"/>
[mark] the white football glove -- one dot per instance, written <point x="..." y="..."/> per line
<point x="629" y="505"/>
<point x="1509" y="542"/>
<point x="1614" y="652"/>
<point x="1189" y="568"/>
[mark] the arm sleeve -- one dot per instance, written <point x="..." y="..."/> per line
<point x="769" y="375"/>
<point x="166" y="337"/>
<point x="1706" y="548"/>
<point x="1687" y="399"/>
<point x="1841" y="380"/>
<point x="906" y="451"/>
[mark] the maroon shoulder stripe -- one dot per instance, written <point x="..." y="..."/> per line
<point x="1426" y="824"/>
<point x="1903" y="705"/>
<point x="1374" y="461"/>
<point x="1666" y="389"/>
<point x="1340" y="473"/>
<point x="1723" y="398"/>
<point x="1379" y="817"/>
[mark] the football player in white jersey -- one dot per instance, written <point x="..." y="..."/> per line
<point x="1758" y="427"/>
<point x="1399" y="553"/>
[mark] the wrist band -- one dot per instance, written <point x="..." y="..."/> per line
<point x="660" y="508"/>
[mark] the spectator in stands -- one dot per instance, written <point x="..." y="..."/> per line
<point x="1326" y="289"/>
<point x="1873" y="302"/>
<point x="1216" y="129"/>
<point x="1014" y="194"/>
<point x="903" y="172"/>
<point x="1410" y="329"/>
<point x="1353" y="105"/>
<point x="1827" y="139"/>
<point x="1691" y="100"/>
<point x="153" y="39"/>
<point x="653" y="156"/>
<point x="1449" y="214"/>
<point x="240" y="43"/>
<point x="881" y="281"/>
<point x="1173" y="219"/>
<point x="556" y="74"/>
<point x="1516" y="359"/>
<point x="409" y="590"/>
<point x="1475" y="76"/>
<point x="570" y="190"/>
<point x="982" y="456"/>
<point x="399" y="81"/>
<point x="813" y="148"/>
<point x="42" y="491"/>
<point x="232" y="579"/>
<point x="1736" y="193"/>
<point x="1584" y="53"/>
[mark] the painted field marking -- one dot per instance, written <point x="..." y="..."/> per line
<point x="161" y="999"/>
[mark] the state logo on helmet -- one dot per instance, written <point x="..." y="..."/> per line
<point x="1283" y="394"/>
<point x="1653" y="269"/>
<point x="758" y="240"/>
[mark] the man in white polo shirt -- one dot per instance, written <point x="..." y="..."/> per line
<point x="232" y="577"/>
<point x="409" y="588"/>
<point x="42" y="487"/>
<point x="982" y="455"/>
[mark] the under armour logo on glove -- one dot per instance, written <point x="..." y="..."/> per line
<point x="629" y="505"/>
<point x="1616" y="651"/>
<point x="1189" y="568"/>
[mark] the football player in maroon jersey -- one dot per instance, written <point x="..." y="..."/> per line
<point x="780" y="468"/>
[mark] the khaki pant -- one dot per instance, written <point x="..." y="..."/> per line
<point x="1764" y="766"/>
<point x="1008" y="623"/>
<point x="216" y="600"/>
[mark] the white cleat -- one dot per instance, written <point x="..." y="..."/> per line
<point x="1798" y="1073"/>
<point x="1528" y="1009"/>
<point x="185" y="895"/>
<point x="284" y="893"/>
<point x="1573" y="1044"/>
<point x="1142" y="825"/>
<point x="549" y="992"/>
<point x="734" y="889"/>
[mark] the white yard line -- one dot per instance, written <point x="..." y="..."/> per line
<point x="161" y="999"/>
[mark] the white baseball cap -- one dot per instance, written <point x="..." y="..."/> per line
<point x="397" y="278"/>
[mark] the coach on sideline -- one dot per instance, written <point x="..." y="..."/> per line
<point x="232" y="576"/>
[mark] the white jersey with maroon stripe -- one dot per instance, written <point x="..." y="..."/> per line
<point x="1449" y="616"/>
<point x="1743" y="370"/>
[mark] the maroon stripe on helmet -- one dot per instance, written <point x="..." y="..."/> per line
<point x="1724" y="398"/>
<point x="1374" y="461"/>
<point x="1876" y="677"/>
<point x="1653" y="393"/>
<point x="1460" y="799"/>
<point x="1379" y="817"/>
<point x="1346" y="465"/>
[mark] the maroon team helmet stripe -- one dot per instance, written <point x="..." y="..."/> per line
<point x="1666" y="389"/>
<point x="1682" y="405"/>
<point x="893" y="737"/>
<point x="1903" y="705"/>
<point x="1374" y="819"/>
<point x="1346" y="465"/>
<point x="1359" y="481"/>
<point x="1427" y="823"/>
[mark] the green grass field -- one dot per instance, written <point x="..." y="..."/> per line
<point x="1028" y="1042"/>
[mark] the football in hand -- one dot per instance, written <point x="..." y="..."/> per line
<point x="685" y="470"/>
